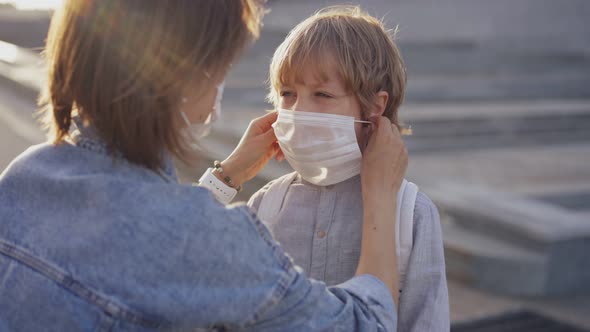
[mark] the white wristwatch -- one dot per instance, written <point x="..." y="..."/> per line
<point x="220" y="190"/>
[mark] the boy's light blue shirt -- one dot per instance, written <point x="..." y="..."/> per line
<point x="92" y="243"/>
<point x="321" y="228"/>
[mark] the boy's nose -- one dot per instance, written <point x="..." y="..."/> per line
<point x="296" y="105"/>
<point x="300" y="106"/>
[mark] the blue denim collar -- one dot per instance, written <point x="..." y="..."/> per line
<point x="86" y="137"/>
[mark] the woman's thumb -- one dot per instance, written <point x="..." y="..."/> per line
<point x="268" y="137"/>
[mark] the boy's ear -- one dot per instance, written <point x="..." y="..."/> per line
<point x="380" y="102"/>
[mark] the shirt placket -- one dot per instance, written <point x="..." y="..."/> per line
<point x="324" y="217"/>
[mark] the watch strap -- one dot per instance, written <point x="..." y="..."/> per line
<point x="220" y="190"/>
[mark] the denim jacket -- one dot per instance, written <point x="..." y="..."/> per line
<point x="90" y="242"/>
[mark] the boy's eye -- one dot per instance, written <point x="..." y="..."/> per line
<point x="286" y="94"/>
<point x="322" y="94"/>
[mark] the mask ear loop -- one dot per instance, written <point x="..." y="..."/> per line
<point x="366" y="124"/>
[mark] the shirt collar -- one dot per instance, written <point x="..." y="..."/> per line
<point x="352" y="184"/>
<point x="85" y="136"/>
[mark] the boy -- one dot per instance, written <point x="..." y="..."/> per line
<point x="336" y="71"/>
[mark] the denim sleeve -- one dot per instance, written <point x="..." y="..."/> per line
<point x="218" y="266"/>
<point x="424" y="302"/>
<point x="301" y="304"/>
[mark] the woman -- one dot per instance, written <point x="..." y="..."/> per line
<point x="97" y="234"/>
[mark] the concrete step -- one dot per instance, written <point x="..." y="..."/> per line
<point x="486" y="132"/>
<point x="510" y="244"/>
<point x="523" y="221"/>
<point x="532" y="171"/>
<point x="516" y="320"/>
<point x="493" y="264"/>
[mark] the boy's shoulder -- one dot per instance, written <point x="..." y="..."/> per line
<point x="423" y="203"/>
<point x="426" y="215"/>
<point x="256" y="199"/>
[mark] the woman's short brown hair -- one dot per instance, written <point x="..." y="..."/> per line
<point x="364" y="52"/>
<point x="121" y="64"/>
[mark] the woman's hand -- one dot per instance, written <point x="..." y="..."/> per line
<point x="385" y="160"/>
<point x="256" y="148"/>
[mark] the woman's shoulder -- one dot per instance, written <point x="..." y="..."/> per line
<point x="65" y="161"/>
<point x="33" y="154"/>
<point x="38" y="163"/>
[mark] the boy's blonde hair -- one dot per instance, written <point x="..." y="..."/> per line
<point x="358" y="44"/>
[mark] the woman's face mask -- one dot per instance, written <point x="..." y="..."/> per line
<point x="321" y="147"/>
<point x="197" y="131"/>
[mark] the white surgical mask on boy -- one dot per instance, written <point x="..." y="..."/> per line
<point x="196" y="131"/>
<point x="321" y="147"/>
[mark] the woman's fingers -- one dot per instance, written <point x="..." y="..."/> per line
<point x="387" y="131"/>
<point x="385" y="158"/>
<point x="381" y="136"/>
<point x="267" y="135"/>
<point x="257" y="146"/>
<point x="264" y="123"/>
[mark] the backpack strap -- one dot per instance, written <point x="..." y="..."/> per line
<point x="404" y="227"/>
<point x="272" y="201"/>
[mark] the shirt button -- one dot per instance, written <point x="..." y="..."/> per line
<point x="321" y="234"/>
